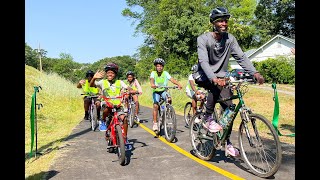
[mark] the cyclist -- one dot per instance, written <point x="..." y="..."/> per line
<point x="87" y="90"/>
<point x="214" y="50"/>
<point x="160" y="78"/>
<point x="136" y="88"/>
<point x="194" y="92"/>
<point x="110" y="87"/>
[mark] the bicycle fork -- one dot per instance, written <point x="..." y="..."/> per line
<point x="245" y="120"/>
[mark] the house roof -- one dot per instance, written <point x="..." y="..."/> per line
<point x="252" y="51"/>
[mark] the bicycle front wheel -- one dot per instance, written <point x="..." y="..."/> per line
<point x="260" y="146"/>
<point x="188" y="113"/>
<point x="131" y="115"/>
<point x="94" y="118"/>
<point x="170" y="124"/>
<point x="120" y="145"/>
<point x="201" y="140"/>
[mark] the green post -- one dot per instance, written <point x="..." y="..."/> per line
<point x="33" y="120"/>
<point x="276" y="110"/>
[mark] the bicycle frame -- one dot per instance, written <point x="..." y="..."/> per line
<point x="239" y="96"/>
<point x="162" y="101"/>
<point x="114" y="121"/>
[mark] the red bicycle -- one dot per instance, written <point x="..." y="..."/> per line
<point x="115" y="129"/>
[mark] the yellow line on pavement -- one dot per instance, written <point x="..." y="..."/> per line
<point x="180" y="150"/>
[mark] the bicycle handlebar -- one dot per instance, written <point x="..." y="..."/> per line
<point x="168" y="87"/>
<point x="114" y="97"/>
<point x="90" y="96"/>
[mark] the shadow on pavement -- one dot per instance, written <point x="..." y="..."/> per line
<point x="45" y="149"/>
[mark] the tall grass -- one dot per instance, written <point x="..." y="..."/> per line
<point x="62" y="110"/>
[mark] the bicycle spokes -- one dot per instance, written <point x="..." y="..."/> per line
<point x="260" y="146"/>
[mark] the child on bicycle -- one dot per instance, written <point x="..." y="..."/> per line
<point x="110" y="87"/>
<point x="160" y="78"/>
<point x="87" y="90"/>
<point x="194" y="92"/>
<point x="136" y="88"/>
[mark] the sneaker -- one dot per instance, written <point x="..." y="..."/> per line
<point x="197" y="120"/>
<point x="155" y="127"/>
<point x="212" y="126"/>
<point x="128" y="145"/>
<point x="125" y="109"/>
<point x="137" y="119"/>
<point x="232" y="151"/>
<point x="102" y="126"/>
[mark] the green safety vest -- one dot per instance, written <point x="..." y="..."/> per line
<point x="111" y="93"/>
<point x="159" y="81"/>
<point x="89" y="90"/>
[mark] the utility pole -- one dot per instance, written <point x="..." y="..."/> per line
<point x="40" y="58"/>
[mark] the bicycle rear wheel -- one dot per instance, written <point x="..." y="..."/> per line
<point x="188" y="113"/>
<point x="260" y="146"/>
<point x="120" y="145"/>
<point x="170" y="124"/>
<point x="201" y="140"/>
<point x="94" y="118"/>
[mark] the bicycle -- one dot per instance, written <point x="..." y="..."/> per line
<point x="166" y="116"/>
<point x="115" y="129"/>
<point x="188" y="112"/>
<point x="132" y="120"/>
<point x="259" y="143"/>
<point x="93" y="117"/>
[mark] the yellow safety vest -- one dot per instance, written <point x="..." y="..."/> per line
<point x="89" y="90"/>
<point x="111" y="93"/>
<point x="159" y="81"/>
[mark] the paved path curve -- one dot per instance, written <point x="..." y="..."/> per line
<point x="84" y="156"/>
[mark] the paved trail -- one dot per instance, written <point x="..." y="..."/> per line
<point x="84" y="156"/>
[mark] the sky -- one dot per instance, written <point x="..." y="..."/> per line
<point x="87" y="30"/>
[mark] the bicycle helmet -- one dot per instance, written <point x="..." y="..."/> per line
<point x="159" y="61"/>
<point x="129" y="73"/>
<point x="194" y="68"/>
<point x="89" y="73"/>
<point x="111" y="66"/>
<point x="218" y="13"/>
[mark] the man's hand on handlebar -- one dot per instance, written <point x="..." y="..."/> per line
<point x="220" y="81"/>
<point x="258" y="77"/>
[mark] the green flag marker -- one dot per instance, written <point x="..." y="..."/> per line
<point x="32" y="113"/>
<point x="276" y="112"/>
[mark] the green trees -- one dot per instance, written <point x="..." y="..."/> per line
<point x="279" y="70"/>
<point x="170" y="29"/>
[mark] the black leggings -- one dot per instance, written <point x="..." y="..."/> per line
<point x="215" y="92"/>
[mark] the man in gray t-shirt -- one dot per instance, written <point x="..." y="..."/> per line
<point x="214" y="50"/>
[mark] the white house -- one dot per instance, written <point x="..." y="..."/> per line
<point x="277" y="46"/>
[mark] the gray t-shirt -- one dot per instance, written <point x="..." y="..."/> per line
<point x="213" y="56"/>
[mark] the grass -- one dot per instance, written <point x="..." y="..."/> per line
<point x="63" y="110"/>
